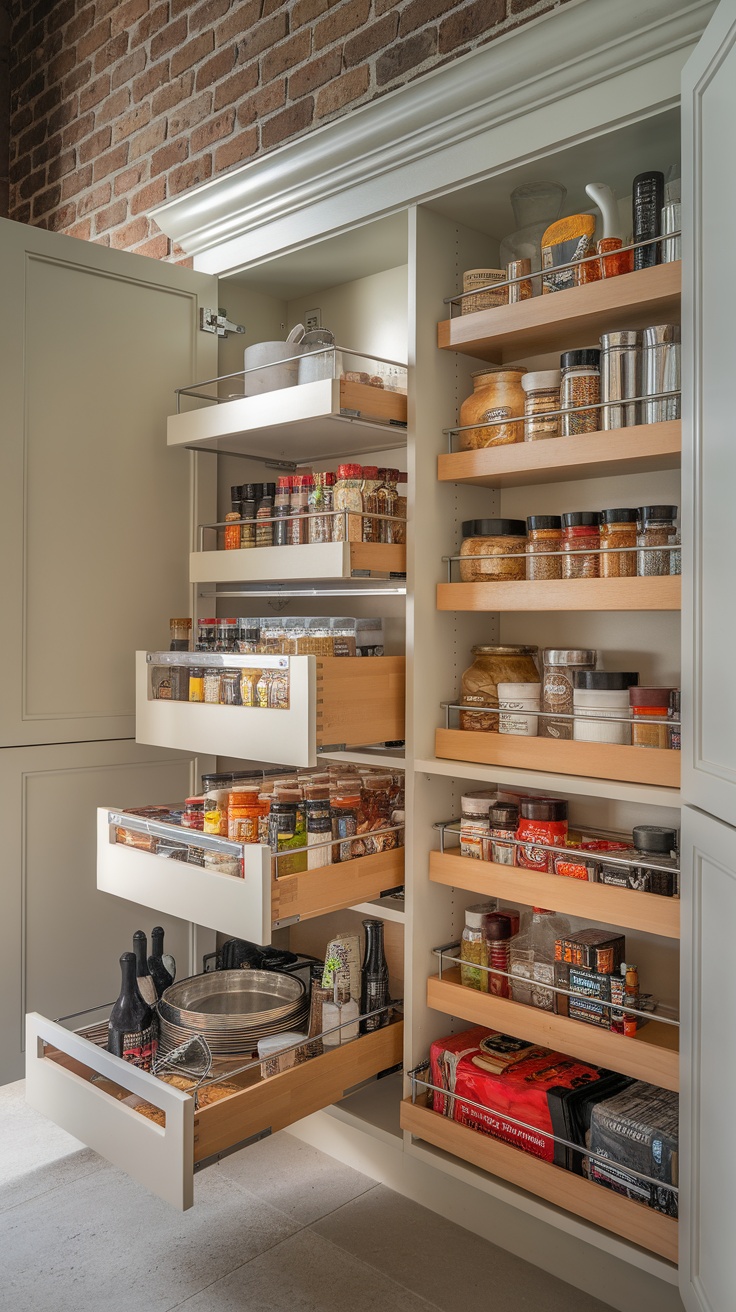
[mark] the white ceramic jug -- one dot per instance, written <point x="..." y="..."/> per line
<point x="262" y="354"/>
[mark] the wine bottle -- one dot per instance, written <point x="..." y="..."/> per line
<point x="374" y="978"/>
<point x="160" y="975"/>
<point x="146" y="986"/>
<point x="132" y="1030"/>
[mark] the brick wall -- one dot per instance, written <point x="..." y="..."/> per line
<point x="116" y="106"/>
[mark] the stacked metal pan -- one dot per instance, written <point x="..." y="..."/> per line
<point x="232" y="1009"/>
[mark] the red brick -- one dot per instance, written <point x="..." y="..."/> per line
<point x="92" y="94"/>
<point x="382" y="6"/>
<point x="46" y="200"/>
<point x="169" y="38"/>
<point x="262" y="102"/>
<point x="404" y="56"/>
<point x="81" y="23"/>
<point x="149" y="26"/>
<point x="104" y="240"/>
<point x="157" y="248"/>
<point x="114" y="106"/>
<point x="259" y="36"/>
<point x="128" y="67"/>
<point x="241" y="18"/>
<point x="189" y="114"/>
<point x="154" y="77"/>
<point x="213" y="130"/>
<point x="192" y="53"/>
<point x="95" y="199"/>
<point x="420" y="13"/>
<point x="305" y="11"/>
<point x="147" y="139"/>
<point x="314" y="74"/>
<point x="92" y="40"/>
<point x="190" y="175"/>
<point x="295" y="119"/>
<point x="127" y="236"/>
<point x="83" y="230"/>
<point x="172" y="94"/>
<point x="20" y="120"/>
<point x="79" y="77"/>
<point x="375" y="37"/>
<point x="62" y="217"/>
<point x="123" y="16"/>
<point x="76" y="130"/>
<point x="32" y="184"/>
<point x="236" y="150"/>
<point x="64" y="114"/>
<point x="470" y="21"/>
<point x="47" y="150"/>
<point x="125" y="182"/>
<point x="235" y="87"/>
<point x="34" y="136"/>
<point x="61" y="165"/>
<point x="110" y="53"/>
<point x="154" y="193"/>
<point x="345" y="89"/>
<point x="286" y="55"/>
<point x="94" y="145"/>
<point x="111" y="161"/>
<point x="59" y="14"/>
<point x="62" y="64"/>
<point x="112" y="216"/>
<point x="21" y="213"/>
<point x="169" y="155"/>
<point x="207" y="14"/>
<point x="76" y="182"/>
<point x="136" y="118"/>
<point x="221" y="63"/>
<point x="341" y="22"/>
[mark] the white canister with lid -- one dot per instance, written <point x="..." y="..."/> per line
<point x="474" y="827"/>
<point x="519" y="707"/>
<point x="601" y="706"/>
<point x="264" y="360"/>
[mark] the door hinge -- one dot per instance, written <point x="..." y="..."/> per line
<point x="216" y="321"/>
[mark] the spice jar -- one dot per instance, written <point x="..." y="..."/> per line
<point x="181" y="632"/>
<point x="244" y="812"/>
<point x="557" y="688"/>
<point x="483" y="300"/>
<point x="544" y="535"/>
<point x="617" y="529"/>
<point x="659" y="844"/>
<point x="212" y="686"/>
<point x="193" y="816"/>
<point x="541" y="395"/>
<point x="249" y="679"/>
<point x="497" y="934"/>
<point x="519" y="291"/>
<point x="542" y="824"/>
<point x="348" y="495"/>
<point x="503" y="541"/>
<point x="503" y="820"/>
<point x="473" y="949"/>
<point x="601" y="704"/>
<point x="206" y="635"/>
<point x="474" y="808"/>
<point x="674" y="730"/>
<point x="319" y="498"/>
<point x="581" y="539"/>
<point x="287" y="831"/>
<point x="649" y="704"/>
<point x="215" y="810"/>
<point x="230" y="688"/>
<point x="580" y="386"/>
<point x="620" y="378"/>
<point x="497" y="397"/>
<point x="657" y="528"/>
<point x="661" y="372"/>
<point x="196" y="684"/>
<point x="519" y="704"/>
<point x="491" y="666"/>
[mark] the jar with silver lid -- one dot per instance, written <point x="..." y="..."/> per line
<point x="661" y="372"/>
<point x="620" y="377"/>
<point x="474" y="827"/>
<point x="557" y="688"/>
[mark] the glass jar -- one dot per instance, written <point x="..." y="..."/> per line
<point x="657" y="528"/>
<point x="319" y="498"/>
<point x="206" y="635"/>
<point x="193" y="817"/>
<point x="212" y="686"/>
<point x="479" y="685"/>
<point x="675" y="729"/>
<point x="649" y="704"/>
<point x="474" y="808"/>
<point x="230" y="688"/>
<point x="519" y="704"/>
<point x="371" y="526"/>
<point x="581" y="540"/>
<point x="542" y="824"/>
<point x="196" y="684"/>
<point x="344" y="810"/>
<point x="215" y="810"/>
<point x="497" y="395"/>
<point x="244" y="810"/>
<point x="497" y="934"/>
<point x="227" y="635"/>
<point x="660" y="372"/>
<point x="620" y="378"/>
<point x="557" y="688"/>
<point x="473" y="952"/>
<point x="348" y="496"/>
<point x="580" y="386"/>
<point x="544" y="534"/>
<point x="601" y="705"/>
<point x="281" y="512"/>
<point x="541" y="395"/>
<point x="249" y="686"/>
<point x="503" y="540"/>
<point x="387" y="500"/>
<point x="503" y="821"/>
<point x="617" y="529"/>
<point x="297" y="531"/>
<point x="181" y="632"/>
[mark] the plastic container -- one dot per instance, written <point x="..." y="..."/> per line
<point x="600" y="703"/>
<point x="473" y="950"/>
<point x="519" y="704"/>
<point x="649" y="704"/>
<point x="541" y="394"/>
<point x="495" y="539"/>
<point x="657" y="528"/>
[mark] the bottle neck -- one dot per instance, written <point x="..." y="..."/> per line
<point x="157" y="942"/>
<point x="128" y="985"/>
<point x="141" y="953"/>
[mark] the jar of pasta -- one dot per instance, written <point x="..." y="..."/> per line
<point x="479" y="686"/>
<point x="497" y="397"/>
<point x="492" y="549"/>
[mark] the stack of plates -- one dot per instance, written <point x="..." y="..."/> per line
<point x="231" y="1009"/>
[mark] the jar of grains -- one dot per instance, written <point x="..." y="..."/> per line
<point x="649" y="704"/>
<point x="474" y="808"/>
<point x="601" y="706"/>
<point x="479" y="685"/>
<point x="348" y="495"/>
<point x="580" y="386"/>
<point x="617" y="529"/>
<point x="657" y="528"/>
<point x="501" y="541"/>
<point x="557" y="689"/>
<point x="503" y="820"/>
<point x="581" y="540"/>
<point x="497" y="397"/>
<point x="541" y="395"/>
<point x="544" y="537"/>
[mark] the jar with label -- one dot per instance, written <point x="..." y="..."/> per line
<point x="281" y="512"/>
<point x="224" y="863"/>
<point x="580" y="386"/>
<point x="474" y="808"/>
<point x="601" y="706"/>
<point x="297" y="531"/>
<point x="649" y="704"/>
<point x="193" y="817"/>
<point x="674" y="730"/>
<point x="544" y="536"/>
<point x="557" y="688"/>
<point x="581" y="540"/>
<point x="657" y="528"/>
<point x="497" y="397"/>
<point x="244" y="810"/>
<point x="212" y="686"/>
<point x="473" y="951"/>
<point x="319" y="834"/>
<point x="206" y="635"/>
<point x="249" y="686"/>
<point x="348" y="496"/>
<point x="617" y="529"/>
<point x="196" y="684"/>
<point x="230" y="688"/>
<point x="344" y="808"/>
<point x="497" y="934"/>
<point x="492" y="549"/>
<point x="286" y="832"/>
<point x="479" y="687"/>
<point x="227" y="635"/>
<point x="503" y="821"/>
<point x="541" y="395"/>
<point x="519" y="706"/>
<point x="319" y="499"/>
<point x="215" y="810"/>
<point x="542" y="824"/>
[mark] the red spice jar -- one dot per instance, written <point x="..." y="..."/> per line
<point x="649" y="704"/>
<point x="542" y="824"/>
<point x="581" y="533"/>
<point x="497" y="931"/>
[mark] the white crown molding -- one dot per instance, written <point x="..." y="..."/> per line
<point x="538" y="64"/>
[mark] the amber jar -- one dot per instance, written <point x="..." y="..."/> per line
<point x="479" y="686"/>
<point x="581" y="534"/>
<point x="497" y="394"/>
<point x="649" y="704"/>
<point x="503" y="540"/>
<point x="618" y="529"/>
<point x="544" y="534"/>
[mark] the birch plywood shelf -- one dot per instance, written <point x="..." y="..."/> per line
<point x="633" y="1221"/>
<point x="313" y="562"/>
<point x="638" y="765"/>
<point x="561" y="321"/>
<point x="637" y="450"/>
<point x="563" y="595"/>
<point x="652" y="1056"/>
<point x="603" y="903"/>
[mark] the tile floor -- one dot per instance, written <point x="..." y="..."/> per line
<point x="278" y="1227"/>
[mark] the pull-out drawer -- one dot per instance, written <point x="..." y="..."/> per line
<point x="62" y="1082"/>
<point x="247" y="907"/>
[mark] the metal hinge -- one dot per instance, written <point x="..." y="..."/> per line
<point x="216" y="321"/>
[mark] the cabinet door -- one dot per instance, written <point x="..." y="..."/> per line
<point x="709" y="450"/>
<point x="60" y="939"/>
<point x="95" y="511"/>
<point x="708" y="1064"/>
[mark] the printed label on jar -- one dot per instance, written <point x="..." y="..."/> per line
<point x="534" y="855"/>
<point x="499" y="412"/>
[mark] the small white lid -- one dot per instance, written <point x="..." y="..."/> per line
<point x="542" y="378"/>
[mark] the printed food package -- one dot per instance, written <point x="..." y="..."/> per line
<point x="637" y="1128"/>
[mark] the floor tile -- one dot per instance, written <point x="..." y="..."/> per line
<point x="306" y="1274"/>
<point x="295" y="1178"/>
<point x="444" y="1262"/>
<point x="35" y="1155"/>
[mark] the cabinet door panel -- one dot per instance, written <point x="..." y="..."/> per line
<point x="61" y="939"/>
<point x="94" y="508"/>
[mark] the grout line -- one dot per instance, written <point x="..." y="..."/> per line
<point x="52" y="1189"/>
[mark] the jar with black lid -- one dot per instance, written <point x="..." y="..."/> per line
<point x="503" y="820"/>
<point x="618" y="529"/>
<point x="542" y="824"/>
<point x="581" y="540"/>
<point x="502" y="542"/>
<point x="580" y="386"/>
<point x="657" y="843"/>
<point x="601" y="705"/>
<point x="544" y="536"/>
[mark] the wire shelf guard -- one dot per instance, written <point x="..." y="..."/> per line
<point x="672" y="395"/>
<point x="337" y="352"/>
<point x="582" y="854"/>
<point x="586" y="717"/>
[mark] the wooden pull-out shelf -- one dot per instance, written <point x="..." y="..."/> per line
<point x="576" y="1194"/>
<point x="639" y="765"/>
<point x="660" y="593"/>
<point x="335" y="887"/>
<point x="652" y="1056"/>
<point x="360" y="700"/>
<point x="604" y="903"/>
<point x="312" y="562"/>
<point x="374" y="404"/>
